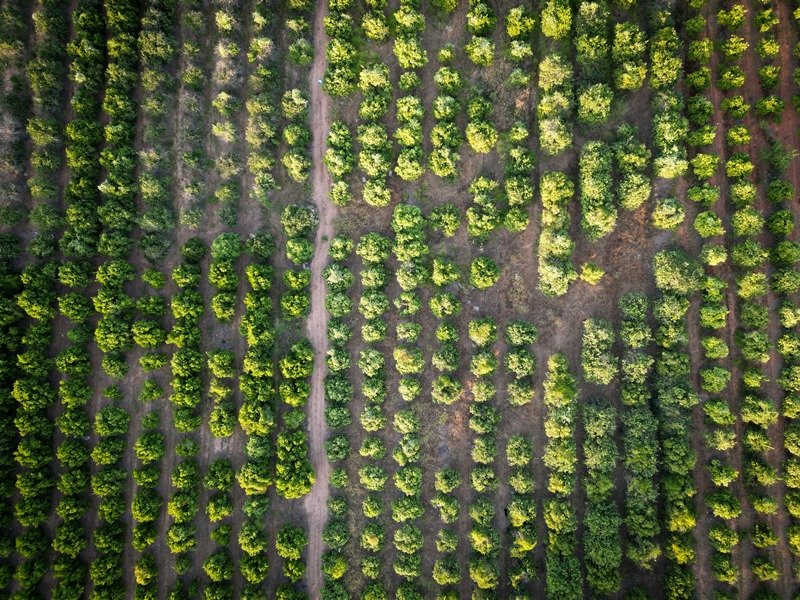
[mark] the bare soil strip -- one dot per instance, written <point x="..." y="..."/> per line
<point x="316" y="503"/>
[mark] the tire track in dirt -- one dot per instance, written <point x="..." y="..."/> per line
<point x="316" y="503"/>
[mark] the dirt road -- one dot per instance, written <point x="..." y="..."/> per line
<point x="316" y="502"/>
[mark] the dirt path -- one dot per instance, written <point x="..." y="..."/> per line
<point x="316" y="502"/>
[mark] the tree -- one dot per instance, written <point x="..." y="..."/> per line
<point x="409" y="52"/>
<point x="594" y="104"/>
<point x="408" y="359"/>
<point x="483" y="273"/>
<point x="219" y="566"/>
<point x="556" y="19"/>
<point x="445" y="6"/>
<point x="445" y="217"/>
<point x="482" y="136"/>
<point x="520" y="362"/>
<point x="298" y="220"/>
<point x="446" y="570"/>
<point x="667" y="214"/>
<point x="676" y="272"/>
<point x="599" y="364"/>
<point x="521" y="333"/>
<point x="519" y="22"/>
<point x="708" y="224"/>
<point x="447" y="480"/>
<point x="518" y="451"/>
<point x="290" y="542"/>
<point x="480" y="50"/>
<point x="297" y="364"/>
<point x="482" y="331"/>
<point x="408" y="539"/>
<point x="483" y="572"/>
<point x="480" y="19"/>
<point x="372" y="537"/>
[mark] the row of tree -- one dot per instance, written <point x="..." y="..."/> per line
<point x="157" y="53"/>
<point x="639" y="433"/>
<point x="339" y="393"/>
<point x="593" y="64"/>
<point x="669" y="125"/>
<point x="256" y="414"/>
<point x="677" y="277"/>
<point x="446" y="137"/>
<point x="186" y="384"/>
<point x="481" y="22"/>
<point x="374" y="155"/>
<point x="79" y="240"/>
<point x="598" y="209"/>
<point x="602" y="549"/>
<point x="113" y="334"/>
<point x="223" y="87"/>
<point x="341" y="71"/>
<point x="14" y="35"/>
<point x="556" y="269"/>
<point x="564" y="579"/>
<point x="720" y="412"/>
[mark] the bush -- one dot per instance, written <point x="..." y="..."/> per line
<point x="591" y="273"/>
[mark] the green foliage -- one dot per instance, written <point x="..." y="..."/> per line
<point x="597" y="358"/>
<point x="555" y="247"/>
<point x="676" y="272"/>
<point x="591" y="273"/>
<point x="290" y="542"/>
<point x="628" y="52"/>
<point x="294" y="475"/>
<point x="483" y="273"/>
<point x="667" y="214"/>
<point x="599" y="215"/>
<point x="594" y="104"/>
<point x="556" y="19"/>
<point x="481" y="135"/>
